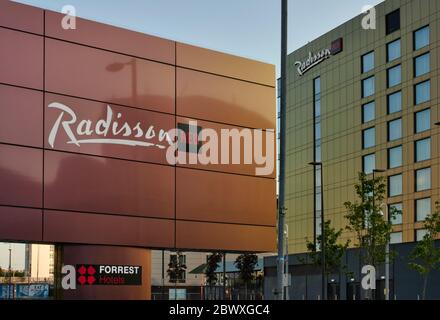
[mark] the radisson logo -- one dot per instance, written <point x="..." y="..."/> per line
<point x="315" y="59"/>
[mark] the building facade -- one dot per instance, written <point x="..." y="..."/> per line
<point x="39" y="262"/>
<point x="364" y="99"/>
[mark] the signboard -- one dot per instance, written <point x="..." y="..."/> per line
<point x="32" y="290"/>
<point x="6" y="291"/>
<point x="108" y="275"/>
<point x="318" y="57"/>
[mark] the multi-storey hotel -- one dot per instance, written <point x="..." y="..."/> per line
<point x="361" y="99"/>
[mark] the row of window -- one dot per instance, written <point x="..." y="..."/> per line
<point x="422" y="210"/>
<point x="422" y="90"/>
<point x="317" y="155"/>
<point x="422" y="152"/>
<point x="396" y="237"/>
<point x="394" y="52"/>
<point x="422" y="122"/>
<point x="422" y="182"/>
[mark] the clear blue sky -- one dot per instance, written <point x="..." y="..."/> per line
<point x="249" y="28"/>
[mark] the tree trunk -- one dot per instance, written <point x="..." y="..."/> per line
<point x="425" y="285"/>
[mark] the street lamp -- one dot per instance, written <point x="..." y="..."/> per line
<point x="323" y="268"/>
<point x="387" y="249"/>
<point x="387" y="257"/>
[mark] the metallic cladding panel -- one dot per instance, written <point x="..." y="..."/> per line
<point x="84" y="228"/>
<point x="205" y="96"/>
<point x="21" y="17"/>
<point x="111" y="38"/>
<point x="21" y="59"/>
<point x="96" y="74"/>
<point x="102" y="185"/>
<point x="20" y="224"/>
<point x="228" y="237"/>
<point x="201" y="196"/>
<point x="21" y="116"/>
<point x="21" y="173"/>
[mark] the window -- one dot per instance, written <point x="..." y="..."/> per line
<point x="395" y="213"/>
<point x="392" y="21"/>
<point x="317" y="108"/>
<point x="317" y="85"/>
<point x="423" y="179"/>
<point x="368" y="87"/>
<point x="318" y="130"/>
<point x="395" y="129"/>
<point x="368" y="112"/>
<point x="423" y="209"/>
<point x="396" y="237"/>
<point x="394" y="76"/>
<point x="423" y="150"/>
<point x="369" y="163"/>
<point x="422" y="65"/>
<point x="368" y="62"/>
<point x="395" y="185"/>
<point x="422" y="120"/>
<point x="395" y="157"/>
<point x="421" y="38"/>
<point x="368" y="138"/>
<point x="420" y="234"/>
<point x="395" y="102"/>
<point x="422" y="92"/>
<point x="393" y="50"/>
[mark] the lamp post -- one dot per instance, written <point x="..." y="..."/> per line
<point x="387" y="257"/>
<point x="386" y="254"/>
<point x="10" y="272"/>
<point x="283" y="102"/>
<point x="323" y="260"/>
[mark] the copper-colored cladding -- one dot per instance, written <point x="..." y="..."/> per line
<point x="21" y="116"/>
<point x="202" y="96"/>
<point x="95" y="111"/>
<point x="92" y="184"/>
<point x="18" y="16"/>
<point x="115" y="194"/>
<point x="21" y="59"/>
<point x="219" y="197"/>
<point x="75" y="227"/>
<point x="109" y="255"/>
<point x="105" y="76"/>
<point x="111" y="38"/>
<point x="224" y="64"/>
<point x="21" y="224"/>
<point x="242" y="167"/>
<point x="228" y="237"/>
<point x="21" y="176"/>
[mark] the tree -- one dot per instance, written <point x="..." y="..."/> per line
<point x="366" y="220"/>
<point x="213" y="261"/>
<point x="334" y="251"/>
<point x="176" y="267"/>
<point x="246" y="263"/>
<point x="426" y="255"/>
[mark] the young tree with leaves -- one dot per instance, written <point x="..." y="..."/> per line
<point x="176" y="267"/>
<point x="426" y="255"/>
<point x="367" y="221"/>
<point x="246" y="263"/>
<point x="212" y="264"/>
<point x="334" y="250"/>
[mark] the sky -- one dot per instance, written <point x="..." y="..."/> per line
<point x="248" y="28"/>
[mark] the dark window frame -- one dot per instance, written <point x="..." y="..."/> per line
<point x="388" y="75"/>
<point x="362" y="61"/>
<point x="392" y="26"/>
<point x="414" y="63"/>
<point x="414" y="37"/>
<point x="388" y="156"/>
<point x="415" y="120"/>
<point x="387" y="49"/>
<point x="415" y="179"/>
<point x="362" y="111"/>
<point x="415" y="91"/>
<point x="388" y="101"/>
<point x="388" y="129"/>
<point x="362" y="86"/>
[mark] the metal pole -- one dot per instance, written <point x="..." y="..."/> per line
<point x="324" y="281"/>
<point x="163" y="275"/>
<point x="286" y="259"/>
<point x="283" y="103"/>
<point x="387" y="261"/>
<point x="224" y="275"/>
<point x="10" y="273"/>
